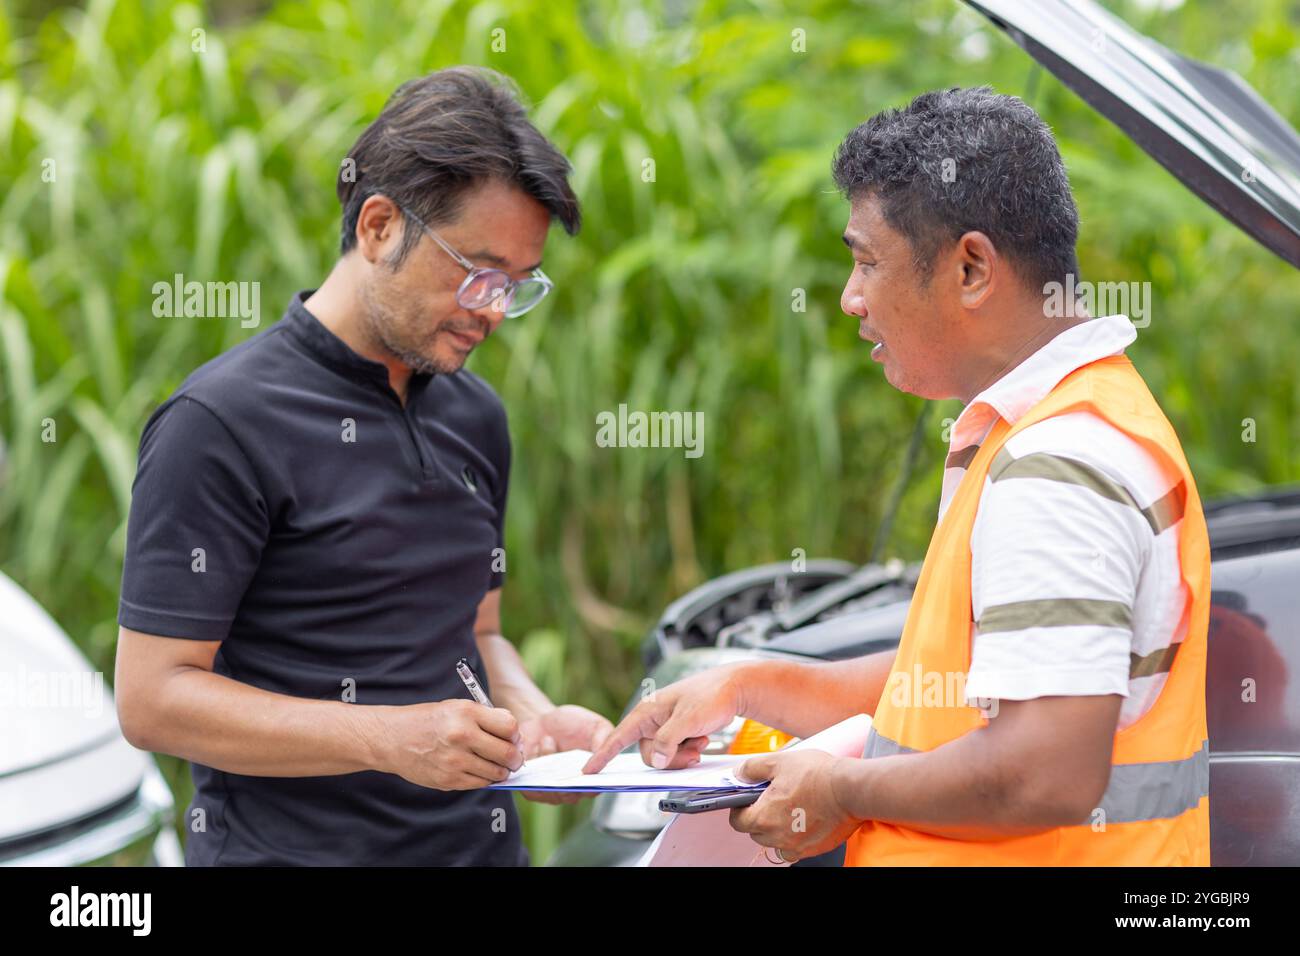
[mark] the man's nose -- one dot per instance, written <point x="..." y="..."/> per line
<point x="851" y="301"/>
<point x="489" y="316"/>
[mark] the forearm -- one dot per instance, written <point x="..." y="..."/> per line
<point x="803" y="698"/>
<point x="962" y="790"/>
<point x="511" y="685"/>
<point x="228" y="725"/>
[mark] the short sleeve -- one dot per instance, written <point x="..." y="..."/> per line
<point x="197" y="526"/>
<point x="1057" y="555"/>
<point x="499" y="498"/>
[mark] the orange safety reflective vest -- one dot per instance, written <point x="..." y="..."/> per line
<point x="1156" y="807"/>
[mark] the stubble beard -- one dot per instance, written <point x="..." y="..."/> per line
<point x="384" y="325"/>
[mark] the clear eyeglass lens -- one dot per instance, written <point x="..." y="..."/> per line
<point x="483" y="288"/>
<point x="527" y="294"/>
<point x="492" y="289"/>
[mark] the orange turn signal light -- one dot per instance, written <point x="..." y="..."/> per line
<point x="756" y="738"/>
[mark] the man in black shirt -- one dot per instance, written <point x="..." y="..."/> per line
<point x="315" y="535"/>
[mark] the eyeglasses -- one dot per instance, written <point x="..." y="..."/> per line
<point x="494" y="287"/>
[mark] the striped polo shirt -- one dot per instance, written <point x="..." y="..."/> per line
<point x="1075" y="583"/>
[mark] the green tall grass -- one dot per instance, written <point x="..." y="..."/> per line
<point x="678" y="294"/>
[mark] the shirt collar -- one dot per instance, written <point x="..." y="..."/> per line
<point x="332" y="351"/>
<point x="1020" y="389"/>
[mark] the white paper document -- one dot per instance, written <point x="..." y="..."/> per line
<point x="628" y="772"/>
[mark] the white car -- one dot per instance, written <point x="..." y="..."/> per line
<point x="72" y="790"/>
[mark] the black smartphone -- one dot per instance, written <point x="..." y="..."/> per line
<point x="702" y="801"/>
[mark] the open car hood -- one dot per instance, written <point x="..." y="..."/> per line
<point x="1203" y="124"/>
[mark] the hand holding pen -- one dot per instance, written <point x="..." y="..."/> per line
<point x="473" y="684"/>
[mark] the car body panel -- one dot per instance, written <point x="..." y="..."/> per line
<point x="72" y="789"/>
<point x="51" y="702"/>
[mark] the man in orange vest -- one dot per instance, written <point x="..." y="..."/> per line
<point x="1046" y="703"/>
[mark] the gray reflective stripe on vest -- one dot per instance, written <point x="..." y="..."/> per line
<point x="1156" y="791"/>
<point x="1160" y="514"/>
<point x="1136" y="791"/>
<point x="881" y="746"/>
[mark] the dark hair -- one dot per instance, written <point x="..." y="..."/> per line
<point x="1004" y="177"/>
<point x="440" y="136"/>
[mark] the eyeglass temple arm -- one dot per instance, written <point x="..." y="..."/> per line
<point x="469" y="266"/>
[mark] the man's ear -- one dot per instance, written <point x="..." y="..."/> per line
<point x="379" y="228"/>
<point x="979" y="265"/>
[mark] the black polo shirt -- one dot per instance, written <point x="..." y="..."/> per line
<point x="288" y="505"/>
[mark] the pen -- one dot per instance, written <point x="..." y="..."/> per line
<point x="472" y="684"/>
